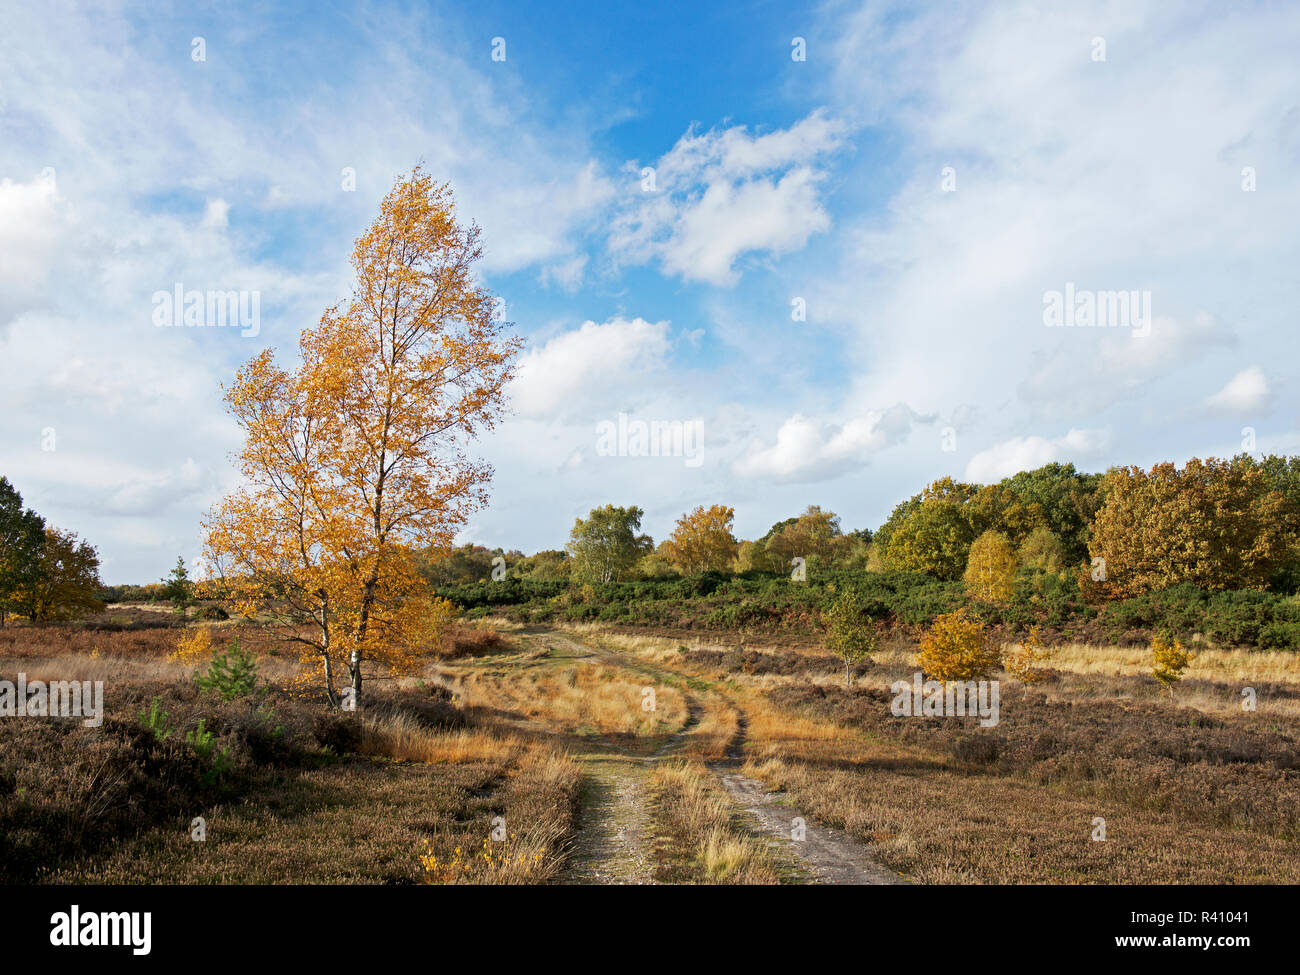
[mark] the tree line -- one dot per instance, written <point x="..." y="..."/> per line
<point x="1216" y="524"/>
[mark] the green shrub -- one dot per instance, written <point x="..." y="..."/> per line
<point x="232" y="673"/>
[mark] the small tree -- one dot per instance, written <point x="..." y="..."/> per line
<point x="232" y="673"/>
<point x="957" y="647"/>
<point x="1169" y="660"/>
<point x="848" y="636"/>
<point x="178" y="588"/>
<point x="1023" y="662"/>
<point x="991" y="568"/>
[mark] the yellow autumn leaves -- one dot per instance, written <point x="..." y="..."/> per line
<point x="356" y="457"/>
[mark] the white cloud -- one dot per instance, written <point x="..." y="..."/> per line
<point x="1245" y="392"/>
<point x="1027" y="453"/>
<point x="34" y="222"/>
<point x="591" y="363"/>
<point x="721" y="195"/>
<point x="216" y="215"/>
<point x="809" y="450"/>
<point x="1067" y="170"/>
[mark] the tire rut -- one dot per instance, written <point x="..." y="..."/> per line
<point x="613" y="826"/>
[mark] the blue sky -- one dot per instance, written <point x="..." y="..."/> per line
<point x="128" y="167"/>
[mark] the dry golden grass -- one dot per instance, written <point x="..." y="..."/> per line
<point x="581" y="698"/>
<point x="661" y="650"/>
<point x="703" y="841"/>
<point x="717" y="729"/>
<point x="1233" y="666"/>
<point x="403" y="738"/>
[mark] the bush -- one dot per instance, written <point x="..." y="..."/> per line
<point x="957" y="648"/>
<point x="1169" y="660"/>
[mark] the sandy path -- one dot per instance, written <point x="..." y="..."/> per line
<point x="831" y="856"/>
<point x="612" y="848"/>
<point x="611" y="843"/>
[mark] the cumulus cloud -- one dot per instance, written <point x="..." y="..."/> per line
<point x="1026" y="453"/>
<point x="1245" y="392"/>
<point x="722" y="194"/>
<point x="807" y="449"/>
<point x="591" y="363"/>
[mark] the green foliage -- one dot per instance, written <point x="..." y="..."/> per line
<point x="232" y="673"/>
<point x="606" y="545"/>
<point x="468" y="563"/>
<point x="204" y="744"/>
<point x="1067" y="501"/>
<point x="22" y="538"/>
<point x="155" y="719"/>
<point x="64" y="582"/>
<point x="934" y="539"/>
<point x="551" y="565"/>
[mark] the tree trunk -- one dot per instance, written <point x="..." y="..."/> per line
<point x="354" y="665"/>
<point x="329" y="682"/>
<point x="363" y="627"/>
<point x="330" y="692"/>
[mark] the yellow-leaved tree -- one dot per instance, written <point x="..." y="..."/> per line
<point x="356" y="458"/>
<point x="1169" y="658"/>
<point x="957" y="647"/>
<point x="991" y="568"/>
<point x="702" y="541"/>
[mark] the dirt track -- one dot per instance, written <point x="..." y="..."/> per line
<point x="613" y="841"/>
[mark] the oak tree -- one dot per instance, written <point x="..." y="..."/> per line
<point x="65" y="582"/>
